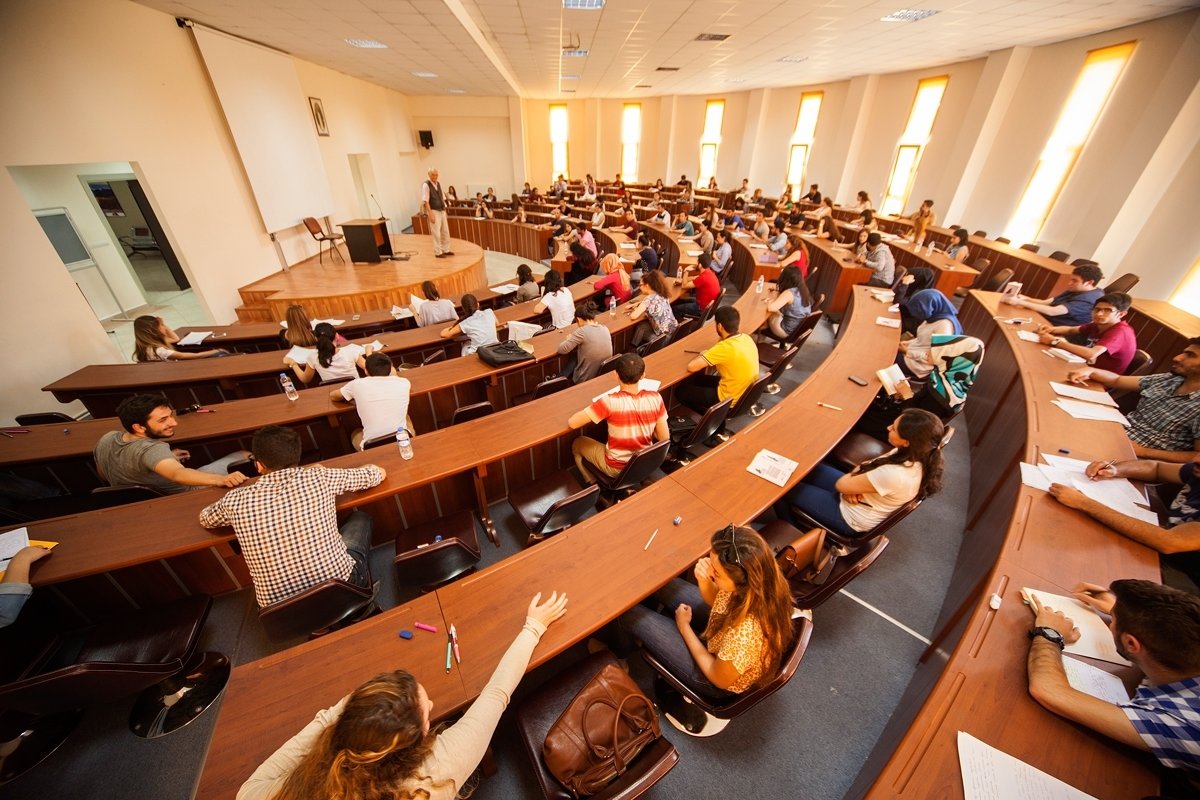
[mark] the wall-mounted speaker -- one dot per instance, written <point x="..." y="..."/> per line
<point x="426" y="139"/>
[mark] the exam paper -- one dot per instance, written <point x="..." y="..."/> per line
<point x="1073" y="472"/>
<point x="1028" y="336"/>
<point x="758" y="246"/>
<point x="195" y="337"/>
<point x="1070" y="358"/>
<point x="991" y="774"/>
<point x="772" y="466"/>
<point x="505" y="288"/>
<point x="1095" y="681"/>
<point x="1081" y="410"/>
<point x="11" y="543"/>
<point x="401" y="313"/>
<point x="1088" y="395"/>
<point x="1095" y="639"/>
<point x="887" y="322"/>
<point x="1033" y="477"/>
<point x="627" y="245"/>
<point x="695" y="253"/>
<point x="301" y="355"/>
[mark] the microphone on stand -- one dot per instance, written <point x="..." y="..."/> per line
<point x="381" y="216"/>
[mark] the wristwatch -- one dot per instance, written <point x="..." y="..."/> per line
<point x="1049" y="634"/>
<point x="1056" y="341"/>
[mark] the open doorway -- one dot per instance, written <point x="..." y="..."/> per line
<point x="133" y="223"/>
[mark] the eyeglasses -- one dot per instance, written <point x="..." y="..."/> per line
<point x="731" y="531"/>
<point x="1104" y="310"/>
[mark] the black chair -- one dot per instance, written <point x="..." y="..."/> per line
<point x="1124" y="283"/>
<point x="609" y="364"/>
<point x="379" y="441"/>
<point x="981" y="265"/>
<point x="112" y="496"/>
<point x="770" y="357"/>
<point x="856" y="448"/>
<point x="328" y="606"/>
<point x="1033" y="248"/>
<point x="712" y="309"/>
<point x="54" y="675"/>
<point x="473" y="411"/>
<point x="1127" y="399"/>
<point x="637" y="471"/>
<point x="688" y="436"/>
<point x="814" y="590"/>
<point x="543" y="389"/>
<point x="245" y="466"/>
<point x="322" y="238"/>
<point x="772" y="377"/>
<point x="538" y="712"/>
<point x="998" y="281"/>
<point x="1060" y="255"/>
<point x="552" y="504"/>
<point x="725" y="710"/>
<point x="685" y="328"/>
<point x="424" y="560"/>
<point x="1002" y="240"/>
<point x="653" y="345"/>
<point x="898" y="276"/>
<point x="43" y="418"/>
<point x="431" y="358"/>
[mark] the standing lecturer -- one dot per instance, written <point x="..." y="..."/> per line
<point x="433" y="206"/>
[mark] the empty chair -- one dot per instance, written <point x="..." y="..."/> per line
<point x="1140" y="364"/>
<point x="152" y="651"/>
<point x="1123" y="283"/>
<point x="544" y="389"/>
<point x="552" y="504"/>
<point x="609" y="364"/>
<point x="112" y="496"/>
<point x="637" y="471"/>
<point x="741" y="703"/>
<point x="685" y="328"/>
<point x="328" y="606"/>
<point x="538" y="712"/>
<point x="654" y="345"/>
<point x="423" y="560"/>
<point x="770" y="357"/>
<point x="1060" y="255"/>
<point x="980" y="234"/>
<point x="322" y="238"/>
<point x="431" y="358"/>
<point x="1033" y="248"/>
<point x="712" y="309"/>
<point x="898" y="276"/>
<point x="473" y="411"/>
<point x="1002" y="240"/>
<point x="687" y="436"/>
<point x="782" y="363"/>
<point x="828" y="574"/>
<point x="998" y="281"/>
<point x="1127" y="399"/>
<point x="981" y="265"/>
<point x="43" y="418"/>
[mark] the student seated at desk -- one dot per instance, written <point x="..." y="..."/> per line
<point x="140" y="456"/>
<point x="614" y="279"/>
<point x="735" y="358"/>
<point x="813" y="196"/>
<point x="655" y="307"/>
<point x="795" y="255"/>
<point x="935" y="315"/>
<point x="1179" y="542"/>
<point x="636" y="419"/>
<point x="435" y="310"/>
<point x="333" y="362"/>
<point x="791" y="305"/>
<point x="706" y="286"/>
<point x="527" y="285"/>
<point x="588" y="345"/>
<point x="683" y="224"/>
<point x="878" y="256"/>
<point x="857" y="501"/>
<point x="1165" y="426"/>
<point x="722" y="254"/>
<point x="957" y="252"/>
<point x="583" y="265"/>
<point x="381" y="400"/>
<point x="1071" y="307"/>
<point x="520" y="217"/>
<point x="152" y="340"/>
<point x="863" y="202"/>
<point x="867" y="221"/>
<point x="377" y="741"/>
<point x="452" y="193"/>
<point x="558" y="299"/>
<point x="760" y="229"/>
<point x="15" y="588"/>
<point x="477" y="324"/>
<point x="1155" y="627"/>
<point x="1107" y="342"/>
<point x="598" y="218"/>
<point x="915" y="280"/>
<point x="777" y="240"/>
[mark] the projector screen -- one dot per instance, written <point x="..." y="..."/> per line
<point x="272" y="127"/>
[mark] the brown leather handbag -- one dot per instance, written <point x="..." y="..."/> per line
<point x="806" y="559"/>
<point x="592" y="742"/>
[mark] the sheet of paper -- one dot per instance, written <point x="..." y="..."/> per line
<point x="1095" y="681"/>
<point x="991" y="774"/>
<point x="645" y="385"/>
<point x="1118" y="489"/>
<point x="1033" y="477"/>
<point x="519" y="331"/>
<point x="11" y="543"/>
<point x="695" y="253"/>
<point x="376" y="346"/>
<point x="333" y="322"/>
<point x="1095" y="639"/>
<point x="772" y="466"/>
<point x="402" y="313"/>
<point x="894" y="308"/>
<point x="195" y="337"/>
<point x="1082" y="410"/>
<point x="627" y="246"/>
<point x="758" y="246"/>
<point x="301" y="355"/>
<point x="1070" y="358"/>
<point x="1054" y="474"/>
<point x="887" y="322"/>
<point x="355" y="349"/>
<point x="1028" y="336"/>
<point x="505" y="288"/>
<point x="1087" y="395"/>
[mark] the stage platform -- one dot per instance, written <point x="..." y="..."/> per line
<point x="331" y="289"/>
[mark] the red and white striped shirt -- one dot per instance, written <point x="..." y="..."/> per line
<point x="631" y="422"/>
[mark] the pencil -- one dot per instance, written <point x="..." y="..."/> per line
<point x="826" y="405"/>
<point x="651" y="539"/>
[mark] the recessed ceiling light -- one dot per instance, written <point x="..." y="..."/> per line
<point x="712" y="37"/>
<point x="367" y="44"/>
<point x="643" y="86"/>
<point x="908" y="15"/>
<point x="667" y="69"/>
<point x="584" y="4"/>
<point x="575" y="52"/>
<point x="793" y="59"/>
<point x="458" y="91"/>
<point x="570" y="77"/>
<point x="425" y="74"/>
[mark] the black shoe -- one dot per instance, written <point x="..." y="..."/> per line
<point x="439" y="255"/>
<point x="449" y="253"/>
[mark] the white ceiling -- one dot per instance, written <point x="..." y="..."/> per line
<point x="513" y="47"/>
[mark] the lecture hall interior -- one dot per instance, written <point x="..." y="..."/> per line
<point x="212" y="128"/>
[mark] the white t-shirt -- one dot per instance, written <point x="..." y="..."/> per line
<point x="480" y="327"/>
<point x="895" y="485"/>
<point x="343" y="364"/>
<point x="432" y="312"/>
<point x="381" y="401"/>
<point x="562" y="307"/>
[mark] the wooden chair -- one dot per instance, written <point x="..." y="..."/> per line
<point x="322" y="238"/>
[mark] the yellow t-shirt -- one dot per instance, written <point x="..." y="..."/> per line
<point x="736" y="360"/>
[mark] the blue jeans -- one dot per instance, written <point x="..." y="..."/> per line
<point x="659" y="636"/>
<point x="356" y="533"/>
<point x="818" y="498"/>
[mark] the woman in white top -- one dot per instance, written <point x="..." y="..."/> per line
<point x="598" y="218"/>
<point x="152" y="340"/>
<point x="434" y="310"/>
<point x="378" y="741"/>
<point x="957" y="252"/>
<point x="333" y="362"/>
<point x="558" y="299"/>
<point x="864" y="203"/>
<point x="478" y="325"/>
<point x="856" y="502"/>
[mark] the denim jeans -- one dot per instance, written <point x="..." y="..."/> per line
<point x="816" y="495"/>
<point x="356" y="533"/>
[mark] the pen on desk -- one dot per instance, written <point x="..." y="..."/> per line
<point x="651" y="539"/>
<point x="449" y="645"/>
<point x="454" y="642"/>
<point x="7" y="435"/>
<point x="1103" y="467"/>
<point x="827" y="405"/>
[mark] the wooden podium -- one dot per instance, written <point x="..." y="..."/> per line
<point x="367" y="240"/>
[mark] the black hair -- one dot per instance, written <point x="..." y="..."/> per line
<point x="325" y="334"/>
<point x="378" y="365"/>
<point x="873" y="238"/>
<point x="430" y="291"/>
<point x="792" y="278"/>
<point x="1164" y="620"/>
<point x="961" y="235"/>
<point x="924" y="432"/>
<point x="276" y="447"/>
<point x="1089" y="273"/>
<point x="136" y="410"/>
<point x="1118" y="300"/>
<point x="728" y="318"/>
<point x="552" y="282"/>
<point x="586" y="311"/>
<point x="524" y="274"/>
<point x="470" y="304"/>
<point x="630" y="368"/>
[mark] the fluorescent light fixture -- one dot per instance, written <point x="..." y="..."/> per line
<point x="589" y="5"/>
<point x="367" y="44"/>
<point x="458" y="91"/>
<point x="569" y="76"/>
<point x="908" y="15"/>
<point x="667" y="69"/>
<point x="643" y="86"/>
<point x="793" y="59"/>
<point x="425" y="74"/>
<point x="575" y="52"/>
<point x="712" y="37"/>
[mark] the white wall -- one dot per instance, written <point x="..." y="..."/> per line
<point x="472" y="144"/>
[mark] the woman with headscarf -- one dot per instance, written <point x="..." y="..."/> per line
<point x="615" y="280"/>
<point x="935" y="316"/>
<point x="916" y="280"/>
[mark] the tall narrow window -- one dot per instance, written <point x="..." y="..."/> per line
<point x="631" y="140"/>
<point x="912" y="143"/>
<point x="1092" y="89"/>
<point x="802" y="139"/>
<point x="710" y="139"/>
<point x="560" y="130"/>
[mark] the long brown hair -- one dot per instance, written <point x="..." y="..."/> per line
<point x="760" y="591"/>
<point x="923" y="431"/>
<point x="377" y="744"/>
<point x="146" y="338"/>
<point x="299" y="332"/>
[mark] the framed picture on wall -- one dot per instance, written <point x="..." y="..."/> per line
<point x="318" y="114"/>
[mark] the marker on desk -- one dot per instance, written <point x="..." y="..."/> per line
<point x="449" y="644"/>
<point x="454" y="642"/>
<point x="7" y="435"/>
<point x="425" y="627"/>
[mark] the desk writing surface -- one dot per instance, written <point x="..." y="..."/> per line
<point x="268" y="701"/>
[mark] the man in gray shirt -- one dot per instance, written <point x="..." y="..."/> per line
<point x="590" y="342"/>
<point x="880" y="259"/>
<point x="141" y="456"/>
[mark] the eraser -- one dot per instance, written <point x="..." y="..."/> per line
<point x="994" y="602"/>
<point x="425" y="627"/>
<point x="678" y="520"/>
<point x="405" y="634"/>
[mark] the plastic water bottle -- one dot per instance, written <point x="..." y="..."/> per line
<point x="758" y="287"/>
<point x="404" y="442"/>
<point x="288" y="387"/>
<point x="612" y="306"/>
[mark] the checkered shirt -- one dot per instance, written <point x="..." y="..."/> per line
<point x="1167" y="718"/>
<point x="286" y="522"/>
<point x="1164" y="420"/>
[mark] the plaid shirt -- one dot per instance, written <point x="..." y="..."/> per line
<point x="1164" y="420"/>
<point x="286" y="522"/>
<point x="1167" y="718"/>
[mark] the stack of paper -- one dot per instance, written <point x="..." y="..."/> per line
<point x="991" y="774"/>
<point x="1084" y="410"/>
<point x="772" y="466"/>
<point x="13" y="542"/>
<point x="1079" y="393"/>
<point x="1070" y="358"/>
<point x="1116" y="493"/>
<point x="195" y="337"/>
<point x="1095" y="639"/>
<point x="520" y="331"/>
<point x="505" y="288"/>
<point x="1028" y="336"/>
